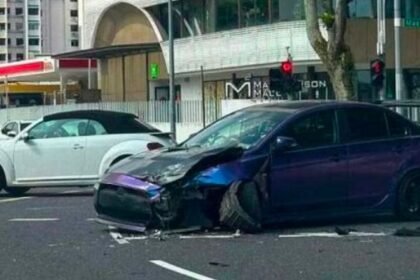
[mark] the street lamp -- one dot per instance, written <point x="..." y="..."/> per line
<point x="172" y="107"/>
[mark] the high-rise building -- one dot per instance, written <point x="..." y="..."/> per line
<point x="29" y="28"/>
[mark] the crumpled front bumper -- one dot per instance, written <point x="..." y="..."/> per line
<point x="125" y="202"/>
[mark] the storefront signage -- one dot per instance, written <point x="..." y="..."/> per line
<point x="412" y="22"/>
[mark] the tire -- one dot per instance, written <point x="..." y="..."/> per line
<point x="16" y="191"/>
<point x="408" y="200"/>
<point x="241" y="207"/>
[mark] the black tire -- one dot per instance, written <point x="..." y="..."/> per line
<point x="241" y="207"/>
<point x="16" y="191"/>
<point x="408" y="200"/>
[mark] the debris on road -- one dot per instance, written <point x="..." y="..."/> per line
<point x="218" y="264"/>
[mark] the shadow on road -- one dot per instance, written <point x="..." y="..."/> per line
<point x="61" y="193"/>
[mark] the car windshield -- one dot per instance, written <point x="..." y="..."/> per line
<point x="243" y="128"/>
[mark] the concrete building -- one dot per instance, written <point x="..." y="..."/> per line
<point x="235" y="42"/>
<point x="29" y="28"/>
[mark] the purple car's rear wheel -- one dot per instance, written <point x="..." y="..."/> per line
<point x="408" y="204"/>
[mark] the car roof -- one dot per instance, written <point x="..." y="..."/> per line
<point x="100" y="115"/>
<point x="294" y="106"/>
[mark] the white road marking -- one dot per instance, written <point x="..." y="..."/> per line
<point x="34" y="220"/>
<point x="180" y="270"/>
<point x="117" y="236"/>
<point x="14" y="199"/>
<point x="332" y="234"/>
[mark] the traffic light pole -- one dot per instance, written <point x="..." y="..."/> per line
<point x="398" y="70"/>
<point x="380" y="46"/>
<point x="172" y="106"/>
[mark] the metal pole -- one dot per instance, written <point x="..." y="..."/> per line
<point x="380" y="47"/>
<point x="89" y="73"/>
<point x="203" y="98"/>
<point x="398" y="70"/>
<point x="172" y="107"/>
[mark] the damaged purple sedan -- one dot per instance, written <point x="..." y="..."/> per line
<point x="271" y="163"/>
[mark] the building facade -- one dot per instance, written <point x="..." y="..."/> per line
<point x="226" y="48"/>
<point x="29" y="28"/>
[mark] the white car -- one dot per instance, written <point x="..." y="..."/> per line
<point x="73" y="149"/>
<point x="13" y="128"/>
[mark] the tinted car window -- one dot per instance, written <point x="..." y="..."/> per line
<point x="398" y="126"/>
<point x="365" y="124"/>
<point x="8" y="127"/>
<point x="314" y="131"/>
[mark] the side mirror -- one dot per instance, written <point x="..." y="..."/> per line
<point x="283" y="143"/>
<point x="11" y="134"/>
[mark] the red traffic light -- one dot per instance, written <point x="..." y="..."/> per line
<point x="287" y="67"/>
<point x="377" y="66"/>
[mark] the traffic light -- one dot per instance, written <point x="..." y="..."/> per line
<point x="286" y="67"/>
<point x="377" y="73"/>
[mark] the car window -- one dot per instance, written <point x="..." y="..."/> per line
<point x="59" y="128"/>
<point x="95" y="128"/>
<point x="244" y="128"/>
<point x="398" y="126"/>
<point x="8" y="127"/>
<point x="24" y="125"/>
<point x="15" y="127"/>
<point x="365" y="124"/>
<point x="315" y="130"/>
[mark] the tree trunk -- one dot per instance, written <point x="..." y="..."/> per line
<point x="333" y="52"/>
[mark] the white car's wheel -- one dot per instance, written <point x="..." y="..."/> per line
<point x="16" y="191"/>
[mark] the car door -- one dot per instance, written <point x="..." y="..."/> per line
<point x="53" y="150"/>
<point x="376" y="152"/>
<point x="312" y="176"/>
<point x="98" y="143"/>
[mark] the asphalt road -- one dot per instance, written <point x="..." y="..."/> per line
<point x="50" y="234"/>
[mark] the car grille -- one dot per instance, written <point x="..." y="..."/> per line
<point x="123" y="204"/>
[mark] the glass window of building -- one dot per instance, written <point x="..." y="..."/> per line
<point x="227" y="14"/>
<point x="19" y="26"/>
<point x="33" y="25"/>
<point x="412" y="9"/>
<point x="2" y="56"/>
<point x="19" y="41"/>
<point x="2" y="11"/>
<point x="19" y="11"/>
<point x="2" y="26"/>
<point x="2" y="41"/>
<point x="362" y="9"/>
<point x="287" y="10"/>
<point x="19" y="56"/>
<point x="194" y="14"/>
<point x="74" y="28"/>
<point x="74" y="43"/>
<point x="254" y="12"/>
<point x="33" y="42"/>
<point x="33" y="11"/>
<point x="73" y="13"/>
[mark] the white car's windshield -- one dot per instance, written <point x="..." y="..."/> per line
<point x="243" y="128"/>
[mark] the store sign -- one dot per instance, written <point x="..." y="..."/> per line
<point x="260" y="89"/>
<point x="412" y="22"/>
<point x="314" y="84"/>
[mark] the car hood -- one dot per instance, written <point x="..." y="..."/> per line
<point x="171" y="165"/>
